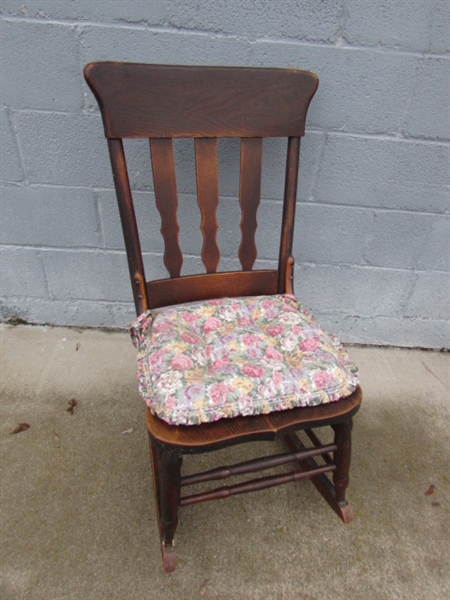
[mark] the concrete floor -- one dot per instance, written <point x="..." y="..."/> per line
<point x="77" y="511"/>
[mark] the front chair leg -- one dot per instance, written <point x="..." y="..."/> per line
<point x="170" y="474"/>
<point x="343" y="441"/>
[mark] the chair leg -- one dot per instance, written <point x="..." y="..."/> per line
<point x="170" y="476"/>
<point x="166" y="467"/>
<point x="332" y="492"/>
<point x="343" y="441"/>
<point x="155" y="455"/>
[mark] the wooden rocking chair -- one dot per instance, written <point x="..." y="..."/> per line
<point x="206" y="103"/>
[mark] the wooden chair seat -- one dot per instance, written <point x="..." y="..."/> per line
<point x="212" y="436"/>
<point x="161" y="103"/>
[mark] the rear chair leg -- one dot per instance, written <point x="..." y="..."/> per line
<point x="328" y="489"/>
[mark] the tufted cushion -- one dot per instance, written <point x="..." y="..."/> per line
<point x="209" y="360"/>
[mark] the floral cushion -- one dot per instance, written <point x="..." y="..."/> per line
<point x="209" y="360"/>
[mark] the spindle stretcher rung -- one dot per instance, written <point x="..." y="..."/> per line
<point x="254" y="485"/>
<point x="257" y="464"/>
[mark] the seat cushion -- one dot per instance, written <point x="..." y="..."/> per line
<point x="208" y="360"/>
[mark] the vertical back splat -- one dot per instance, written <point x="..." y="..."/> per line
<point x="167" y="202"/>
<point x="208" y="199"/>
<point x="249" y="198"/>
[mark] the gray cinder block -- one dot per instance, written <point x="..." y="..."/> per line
<point x="40" y="66"/>
<point x="411" y="25"/>
<point x="22" y="273"/>
<point x="49" y="216"/>
<point x="10" y="167"/>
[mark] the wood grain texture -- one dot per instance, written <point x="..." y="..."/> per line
<point x="208" y="436"/>
<point x="164" y="292"/>
<point x="249" y="198"/>
<point x="289" y="202"/>
<point x="206" y="166"/>
<point x="320" y="481"/>
<point x="167" y="202"/>
<point x="255" y="465"/>
<point x="129" y="224"/>
<point x="254" y="485"/>
<point x="154" y="101"/>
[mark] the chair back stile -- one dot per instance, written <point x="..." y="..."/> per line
<point x="129" y="224"/>
<point x="286" y="260"/>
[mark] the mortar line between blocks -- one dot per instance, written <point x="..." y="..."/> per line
<point x="47" y="280"/>
<point x="394" y="137"/>
<point x="94" y="249"/>
<point x="98" y="216"/>
<point x="217" y="34"/>
<point x="342" y="25"/>
<point x="404" y="115"/>
<point x="12" y="126"/>
<point x="315" y="179"/>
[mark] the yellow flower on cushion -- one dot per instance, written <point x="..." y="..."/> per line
<point x="207" y="311"/>
<point x="303" y="384"/>
<point x="294" y="359"/>
<point x="245" y="385"/>
<point x="178" y="346"/>
<point x="194" y="375"/>
<point x="199" y="403"/>
<point x="226" y="328"/>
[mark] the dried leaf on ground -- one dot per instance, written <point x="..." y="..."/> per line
<point x="203" y="588"/>
<point x="430" y="490"/>
<point x="77" y="347"/>
<point x="57" y="439"/>
<point x="21" y="427"/>
<point x="72" y="404"/>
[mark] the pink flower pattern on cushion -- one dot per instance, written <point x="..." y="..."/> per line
<point x="209" y="360"/>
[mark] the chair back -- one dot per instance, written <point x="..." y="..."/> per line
<point x="161" y="103"/>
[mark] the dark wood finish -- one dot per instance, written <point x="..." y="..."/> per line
<point x="320" y="481"/>
<point x="254" y="485"/>
<point x="164" y="292"/>
<point x="342" y="456"/>
<point x="130" y="230"/>
<point x="152" y="101"/>
<point x="317" y="443"/>
<point x="288" y="219"/>
<point x="208" y="199"/>
<point x="249" y="198"/>
<point x="170" y="476"/>
<point x="212" y="436"/>
<point x="289" y="276"/>
<point x="160" y="103"/>
<point x="257" y="464"/>
<point x="167" y="202"/>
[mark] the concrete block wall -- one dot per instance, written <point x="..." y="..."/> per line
<point x="372" y="234"/>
